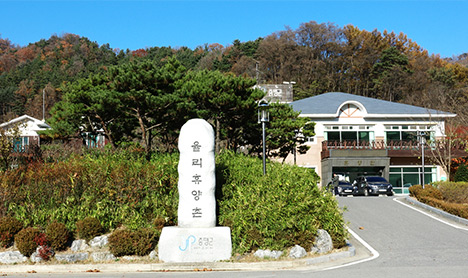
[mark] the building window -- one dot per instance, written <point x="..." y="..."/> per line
<point x="349" y="136"/>
<point x="96" y="140"/>
<point x="403" y="177"/>
<point x="310" y="140"/>
<point x="349" y="133"/>
<point x="333" y="136"/>
<point x="20" y="144"/>
<point x="364" y="136"/>
<point x="311" y="167"/>
<point x="407" y="133"/>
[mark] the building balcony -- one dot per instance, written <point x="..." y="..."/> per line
<point x="398" y="148"/>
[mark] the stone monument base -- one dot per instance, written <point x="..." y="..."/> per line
<point x="178" y="244"/>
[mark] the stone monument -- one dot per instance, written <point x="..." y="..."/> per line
<point x="196" y="238"/>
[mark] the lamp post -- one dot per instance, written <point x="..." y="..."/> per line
<point x="422" y="137"/>
<point x="296" y="134"/>
<point x="263" y="117"/>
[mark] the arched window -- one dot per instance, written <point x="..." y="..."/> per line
<point x="351" y="110"/>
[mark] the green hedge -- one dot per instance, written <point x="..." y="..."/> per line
<point x="122" y="188"/>
<point x="417" y="191"/>
<point x="460" y="210"/>
<point x="454" y="192"/>
<point x="117" y="188"/>
<point x="275" y="211"/>
<point x="451" y="197"/>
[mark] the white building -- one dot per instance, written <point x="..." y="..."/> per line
<point x="357" y="135"/>
<point x="28" y="129"/>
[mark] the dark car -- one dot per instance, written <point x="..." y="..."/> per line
<point x="374" y="185"/>
<point x="342" y="188"/>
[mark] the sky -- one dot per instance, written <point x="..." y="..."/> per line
<point x="440" y="27"/>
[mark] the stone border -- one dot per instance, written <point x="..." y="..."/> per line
<point x="437" y="211"/>
<point x="257" y="266"/>
<point x="162" y="267"/>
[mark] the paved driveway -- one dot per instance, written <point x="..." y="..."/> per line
<point x="409" y="243"/>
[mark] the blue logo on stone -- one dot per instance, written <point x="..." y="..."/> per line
<point x="190" y="240"/>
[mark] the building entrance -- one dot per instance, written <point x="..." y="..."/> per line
<point x="351" y="173"/>
<point x="355" y="163"/>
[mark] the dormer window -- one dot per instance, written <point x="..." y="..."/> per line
<point x="351" y="110"/>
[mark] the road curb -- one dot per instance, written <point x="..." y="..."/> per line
<point x="437" y="211"/>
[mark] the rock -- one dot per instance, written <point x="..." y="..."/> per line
<point x="268" y="254"/>
<point x="36" y="258"/>
<point x="71" y="258"/>
<point x="297" y="252"/>
<point x="153" y="255"/>
<point x="323" y="242"/>
<point x="129" y="258"/>
<point x="12" y="257"/>
<point x="79" y="245"/>
<point x="99" y="241"/>
<point x="102" y="256"/>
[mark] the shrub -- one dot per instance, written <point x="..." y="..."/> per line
<point x="41" y="240"/>
<point x="432" y="192"/>
<point x="124" y="242"/>
<point x="121" y="243"/>
<point x="44" y="250"/>
<point x="460" y="210"/>
<point x="9" y="227"/>
<point x="275" y="211"/>
<point x="26" y="240"/>
<point x="159" y="223"/>
<point x="428" y="191"/>
<point x="132" y="191"/>
<point x="89" y="228"/>
<point x="455" y="192"/>
<point x="451" y="197"/>
<point x="145" y="241"/>
<point x="415" y="190"/>
<point x="461" y="174"/>
<point x="58" y="235"/>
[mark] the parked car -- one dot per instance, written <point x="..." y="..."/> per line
<point x="341" y="188"/>
<point x="373" y="185"/>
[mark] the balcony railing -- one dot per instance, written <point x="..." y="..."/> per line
<point x="372" y="145"/>
<point x="396" y="148"/>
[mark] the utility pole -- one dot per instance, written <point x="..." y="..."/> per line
<point x="256" y="71"/>
<point x="422" y="137"/>
<point x="43" y="105"/>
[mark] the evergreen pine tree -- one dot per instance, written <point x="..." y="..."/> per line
<point x="461" y="174"/>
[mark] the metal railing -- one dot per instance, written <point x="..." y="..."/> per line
<point x="372" y="145"/>
<point x="397" y="148"/>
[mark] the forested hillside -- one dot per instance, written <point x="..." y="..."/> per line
<point x="318" y="57"/>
